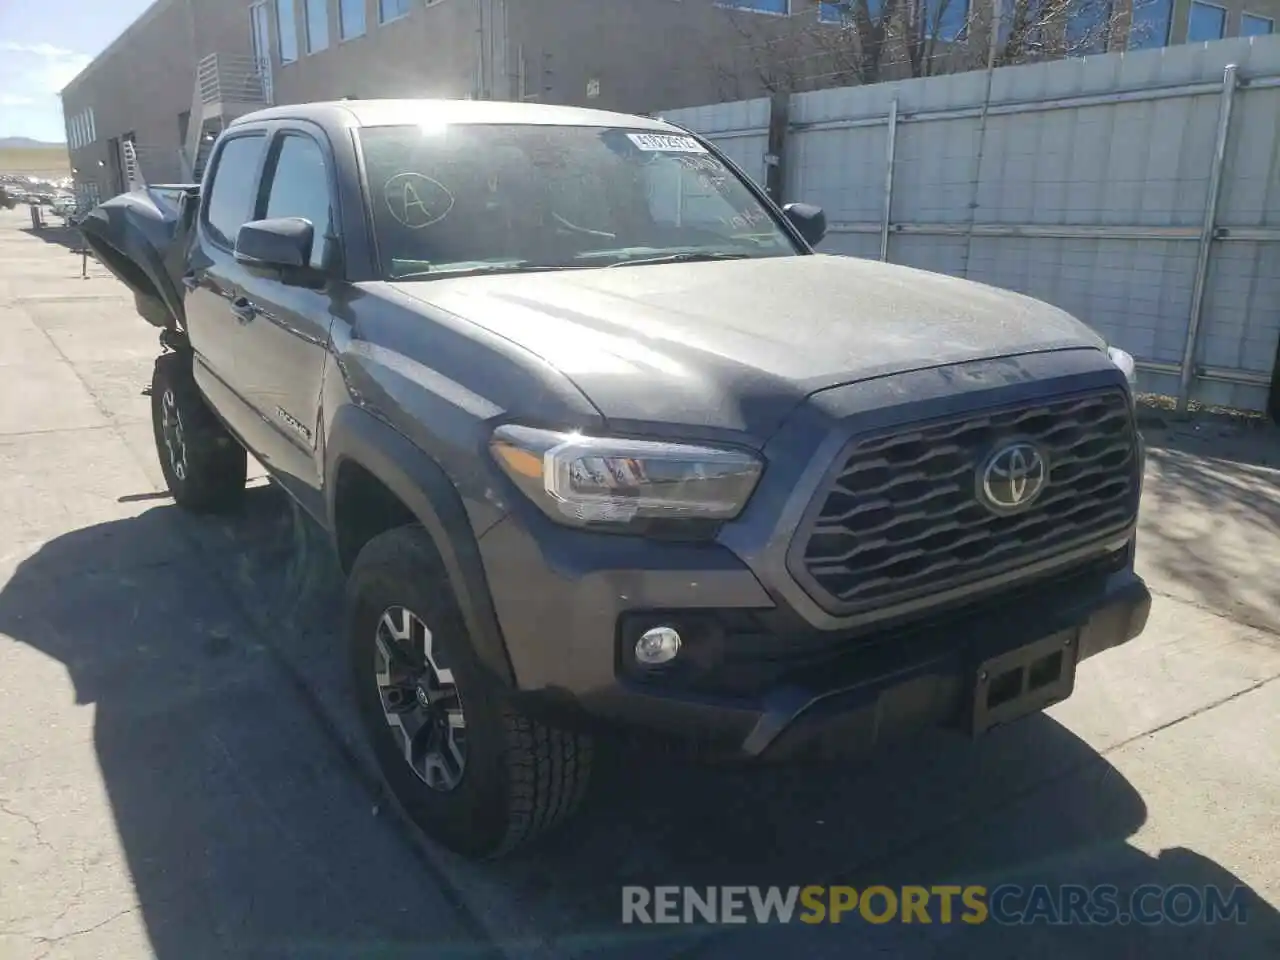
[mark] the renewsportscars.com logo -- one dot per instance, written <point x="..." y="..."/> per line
<point x="1007" y="904"/>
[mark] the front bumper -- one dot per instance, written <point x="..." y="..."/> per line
<point x="756" y="683"/>
<point x="934" y="685"/>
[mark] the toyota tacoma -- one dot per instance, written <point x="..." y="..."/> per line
<point x="603" y="444"/>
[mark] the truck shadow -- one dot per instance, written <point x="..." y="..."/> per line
<point x="58" y="233"/>
<point x="1211" y="509"/>
<point x="242" y="793"/>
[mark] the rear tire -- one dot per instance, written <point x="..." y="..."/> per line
<point x="204" y="466"/>
<point x="508" y="778"/>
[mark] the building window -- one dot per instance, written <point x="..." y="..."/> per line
<point x="287" y="30"/>
<point x="1205" y="22"/>
<point x="350" y="18"/>
<point x="1151" y="22"/>
<point x="81" y="130"/>
<point x="1088" y="27"/>
<point x="1031" y="17"/>
<point x="945" y="19"/>
<point x="779" y="7"/>
<point x="389" y="10"/>
<point x="1252" y="25"/>
<point x="316" y="15"/>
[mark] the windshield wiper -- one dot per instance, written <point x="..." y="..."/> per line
<point x="689" y="257"/>
<point x="484" y="269"/>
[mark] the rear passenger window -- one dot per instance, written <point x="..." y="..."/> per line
<point x="231" y="198"/>
<point x="300" y="188"/>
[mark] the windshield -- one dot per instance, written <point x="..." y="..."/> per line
<point x="503" y="197"/>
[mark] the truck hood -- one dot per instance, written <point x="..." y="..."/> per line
<point x="736" y="345"/>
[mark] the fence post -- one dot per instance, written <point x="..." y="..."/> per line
<point x="1207" y="230"/>
<point x="775" y="178"/>
<point x="890" y="148"/>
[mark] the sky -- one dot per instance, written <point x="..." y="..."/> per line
<point x="43" y="44"/>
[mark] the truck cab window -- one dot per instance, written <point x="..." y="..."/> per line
<point x="487" y="196"/>
<point x="300" y="188"/>
<point x="231" y="195"/>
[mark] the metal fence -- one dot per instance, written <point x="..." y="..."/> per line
<point x="1138" y="191"/>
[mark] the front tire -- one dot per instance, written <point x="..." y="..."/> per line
<point x="468" y="769"/>
<point x="203" y="465"/>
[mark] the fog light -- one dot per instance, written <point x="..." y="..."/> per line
<point x="657" y="645"/>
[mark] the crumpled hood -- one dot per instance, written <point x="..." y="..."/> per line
<point x="737" y="344"/>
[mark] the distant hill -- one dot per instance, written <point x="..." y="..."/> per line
<point x="33" y="157"/>
<point x="26" y="143"/>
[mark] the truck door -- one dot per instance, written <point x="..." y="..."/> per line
<point x="213" y="280"/>
<point x="282" y="353"/>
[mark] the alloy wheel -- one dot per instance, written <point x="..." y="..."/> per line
<point x="172" y="431"/>
<point x="420" y="700"/>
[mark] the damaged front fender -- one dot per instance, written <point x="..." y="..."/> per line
<point x="141" y="237"/>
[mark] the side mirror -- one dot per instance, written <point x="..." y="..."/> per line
<point x="809" y="220"/>
<point x="282" y="244"/>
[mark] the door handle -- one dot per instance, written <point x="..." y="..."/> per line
<point x="243" y="309"/>
<point x="190" y="281"/>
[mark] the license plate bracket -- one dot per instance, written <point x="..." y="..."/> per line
<point x="1024" y="680"/>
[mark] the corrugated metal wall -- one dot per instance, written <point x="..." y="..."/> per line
<point x="1084" y="183"/>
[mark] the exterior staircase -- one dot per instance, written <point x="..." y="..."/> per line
<point x="226" y="87"/>
<point x="133" y="178"/>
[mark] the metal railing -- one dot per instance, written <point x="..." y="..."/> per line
<point x="221" y="79"/>
<point x="227" y="77"/>
<point x="132" y="168"/>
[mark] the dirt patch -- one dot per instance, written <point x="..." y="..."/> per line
<point x="35" y="161"/>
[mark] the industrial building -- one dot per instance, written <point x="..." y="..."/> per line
<point x="144" y="107"/>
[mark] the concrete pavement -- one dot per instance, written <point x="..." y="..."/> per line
<point x="181" y="775"/>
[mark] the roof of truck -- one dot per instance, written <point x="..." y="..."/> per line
<point x="386" y="113"/>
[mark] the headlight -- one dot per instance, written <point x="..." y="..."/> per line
<point x="585" y="481"/>
<point x="1126" y="363"/>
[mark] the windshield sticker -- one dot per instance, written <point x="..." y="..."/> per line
<point x="666" y="143"/>
<point x="417" y="201"/>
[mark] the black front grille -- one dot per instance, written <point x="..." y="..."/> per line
<point x="903" y="517"/>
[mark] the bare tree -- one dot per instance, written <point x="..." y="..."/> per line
<point x="827" y="43"/>
<point x="770" y="54"/>
<point x="1032" y="30"/>
<point x="862" y="35"/>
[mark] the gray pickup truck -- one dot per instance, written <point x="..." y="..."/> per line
<point x="603" y="445"/>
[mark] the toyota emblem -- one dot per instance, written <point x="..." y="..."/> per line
<point x="1012" y="477"/>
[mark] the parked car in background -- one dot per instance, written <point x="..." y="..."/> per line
<point x="602" y="443"/>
